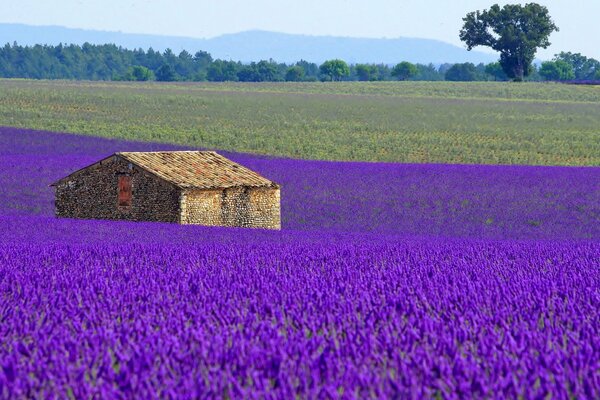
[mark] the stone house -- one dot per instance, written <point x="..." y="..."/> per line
<point x="187" y="187"/>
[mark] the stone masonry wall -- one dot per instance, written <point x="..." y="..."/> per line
<point x="240" y="206"/>
<point x="201" y="207"/>
<point x="93" y="194"/>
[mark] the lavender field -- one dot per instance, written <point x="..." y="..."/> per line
<point x="387" y="281"/>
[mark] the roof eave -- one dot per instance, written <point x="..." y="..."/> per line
<point x="272" y="185"/>
<point x="123" y="156"/>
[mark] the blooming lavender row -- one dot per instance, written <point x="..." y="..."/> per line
<point x="496" y="202"/>
<point x="411" y="319"/>
<point x="388" y="280"/>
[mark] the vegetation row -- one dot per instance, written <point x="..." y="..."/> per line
<point x="110" y="62"/>
<point x="415" y="122"/>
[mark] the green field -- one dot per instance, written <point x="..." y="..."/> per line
<point x="433" y="122"/>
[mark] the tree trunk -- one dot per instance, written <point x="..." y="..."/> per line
<point x="519" y="71"/>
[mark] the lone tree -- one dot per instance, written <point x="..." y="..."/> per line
<point x="515" y="31"/>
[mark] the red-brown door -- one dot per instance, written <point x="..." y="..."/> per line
<point x="124" y="191"/>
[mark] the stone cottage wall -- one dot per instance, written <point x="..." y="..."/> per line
<point x="265" y="207"/>
<point x="239" y="206"/>
<point x="92" y="193"/>
<point x="201" y="207"/>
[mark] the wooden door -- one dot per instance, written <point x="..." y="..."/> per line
<point x="124" y="191"/>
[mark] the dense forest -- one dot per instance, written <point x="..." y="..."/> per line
<point x="110" y="62"/>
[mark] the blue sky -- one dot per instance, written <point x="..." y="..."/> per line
<point x="577" y="19"/>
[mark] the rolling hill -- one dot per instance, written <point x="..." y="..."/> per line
<point x="258" y="45"/>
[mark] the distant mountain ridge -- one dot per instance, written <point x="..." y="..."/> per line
<point x="259" y="45"/>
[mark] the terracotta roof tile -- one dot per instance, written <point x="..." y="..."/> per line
<point x="196" y="169"/>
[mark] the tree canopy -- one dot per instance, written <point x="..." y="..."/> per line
<point x="583" y="67"/>
<point x="558" y="70"/>
<point x="295" y="73"/>
<point x="404" y="70"/>
<point x="515" y="31"/>
<point x="110" y="62"/>
<point x="495" y="70"/>
<point x="366" y="72"/>
<point x="138" y="73"/>
<point x="464" y="72"/>
<point x="334" y="70"/>
<point x="165" y="73"/>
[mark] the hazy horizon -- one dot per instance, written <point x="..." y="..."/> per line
<point x="343" y="18"/>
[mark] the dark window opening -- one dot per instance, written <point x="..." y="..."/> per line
<point x="124" y="191"/>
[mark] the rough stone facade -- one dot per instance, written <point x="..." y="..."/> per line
<point x="92" y="193"/>
<point x="239" y="206"/>
<point x="115" y="188"/>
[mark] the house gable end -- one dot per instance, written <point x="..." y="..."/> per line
<point x="81" y="170"/>
<point x="115" y="156"/>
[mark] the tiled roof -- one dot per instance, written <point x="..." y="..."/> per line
<point x="196" y="169"/>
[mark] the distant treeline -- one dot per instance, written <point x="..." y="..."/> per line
<point x="111" y="62"/>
